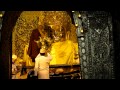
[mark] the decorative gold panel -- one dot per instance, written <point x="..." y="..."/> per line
<point x="29" y="21"/>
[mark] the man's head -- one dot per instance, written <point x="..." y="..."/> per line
<point x="14" y="57"/>
<point x="43" y="51"/>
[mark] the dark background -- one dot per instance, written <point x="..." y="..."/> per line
<point x="116" y="39"/>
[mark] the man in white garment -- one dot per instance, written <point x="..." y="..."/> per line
<point x="14" y="67"/>
<point x="42" y="62"/>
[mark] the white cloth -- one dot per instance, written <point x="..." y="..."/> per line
<point x="42" y="66"/>
<point x="14" y="71"/>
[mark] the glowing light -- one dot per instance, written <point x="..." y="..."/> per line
<point x="76" y="25"/>
<point x="1" y="15"/>
<point x="81" y="30"/>
<point x="79" y="15"/>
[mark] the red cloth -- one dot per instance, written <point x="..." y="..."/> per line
<point x="33" y="49"/>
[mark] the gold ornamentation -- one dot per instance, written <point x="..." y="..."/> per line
<point x="28" y="21"/>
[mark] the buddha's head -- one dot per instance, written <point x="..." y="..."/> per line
<point x="57" y="27"/>
<point x="58" y="23"/>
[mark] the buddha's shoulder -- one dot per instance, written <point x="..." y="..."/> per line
<point x="69" y="41"/>
<point x="72" y="43"/>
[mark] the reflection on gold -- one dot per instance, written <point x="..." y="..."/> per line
<point x="64" y="53"/>
<point x="26" y="58"/>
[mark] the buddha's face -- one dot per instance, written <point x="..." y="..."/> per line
<point x="58" y="32"/>
<point x="58" y="23"/>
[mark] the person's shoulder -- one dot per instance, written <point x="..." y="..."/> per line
<point x="48" y="54"/>
<point x="37" y="56"/>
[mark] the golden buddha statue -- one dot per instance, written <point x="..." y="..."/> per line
<point x="64" y="47"/>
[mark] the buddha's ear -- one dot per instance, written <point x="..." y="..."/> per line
<point x="68" y="35"/>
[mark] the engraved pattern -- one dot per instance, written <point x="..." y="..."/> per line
<point x="101" y="63"/>
<point x="97" y="62"/>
